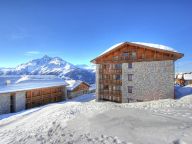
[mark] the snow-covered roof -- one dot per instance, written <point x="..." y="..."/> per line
<point x="188" y="76"/>
<point x="179" y="76"/>
<point x="32" y="82"/>
<point x="112" y="47"/>
<point x="92" y="87"/>
<point x="152" y="45"/>
<point x="72" y="84"/>
<point x="158" y="46"/>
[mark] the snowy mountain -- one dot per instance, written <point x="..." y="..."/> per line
<point x="52" y="66"/>
<point x="43" y="66"/>
<point x="82" y="74"/>
<point x="87" y="67"/>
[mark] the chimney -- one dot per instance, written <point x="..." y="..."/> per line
<point x="8" y="82"/>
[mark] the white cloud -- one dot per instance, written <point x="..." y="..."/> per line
<point x="29" y="53"/>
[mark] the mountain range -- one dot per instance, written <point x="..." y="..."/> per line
<point x="53" y="66"/>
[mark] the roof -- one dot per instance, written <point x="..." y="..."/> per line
<point x="139" y="44"/>
<point x="32" y="82"/>
<point x="72" y="84"/>
<point x="92" y="87"/>
<point x="188" y="76"/>
<point x="158" y="46"/>
<point x="179" y="76"/>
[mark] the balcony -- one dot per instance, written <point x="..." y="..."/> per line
<point x="111" y="82"/>
<point x="116" y="93"/>
<point x="114" y="96"/>
<point x="110" y="71"/>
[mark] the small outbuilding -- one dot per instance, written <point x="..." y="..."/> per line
<point x="76" y="88"/>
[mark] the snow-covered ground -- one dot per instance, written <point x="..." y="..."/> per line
<point x="83" y="120"/>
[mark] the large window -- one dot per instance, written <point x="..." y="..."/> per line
<point x="130" y="89"/>
<point x="130" y="77"/>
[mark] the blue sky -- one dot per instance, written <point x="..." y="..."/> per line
<point x="79" y="30"/>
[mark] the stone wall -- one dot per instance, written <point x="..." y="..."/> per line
<point x="5" y="103"/>
<point x="20" y="101"/>
<point x="97" y="82"/>
<point x="151" y="81"/>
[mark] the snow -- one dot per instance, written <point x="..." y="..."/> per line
<point x="83" y="120"/>
<point x="29" y="82"/>
<point x="44" y="65"/>
<point x="112" y="47"/>
<point x="188" y="76"/>
<point x="183" y="91"/>
<point x="180" y="76"/>
<point x="91" y="67"/>
<point x="158" y="46"/>
<point x="72" y="84"/>
<point x="92" y="87"/>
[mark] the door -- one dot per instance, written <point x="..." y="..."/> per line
<point x="12" y="102"/>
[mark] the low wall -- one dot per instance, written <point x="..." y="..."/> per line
<point x="5" y="103"/>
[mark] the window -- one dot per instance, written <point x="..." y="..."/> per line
<point x="133" y="55"/>
<point x="129" y="65"/>
<point x="125" y="54"/>
<point x="106" y="87"/>
<point x="130" y="77"/>
<point x="118" y="66"/>
<point x="117" y="77"/>
<point x="130" y="89"/>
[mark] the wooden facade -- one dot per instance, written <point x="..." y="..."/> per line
<point x="129" y="52"/>
<point x="110" y="69"/>
<point x="82" y="88"/>
<point x="38" y="97"/>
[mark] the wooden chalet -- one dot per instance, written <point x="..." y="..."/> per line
<point x="76" y="88"/>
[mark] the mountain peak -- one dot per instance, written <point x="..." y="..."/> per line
<point x="46" y="57"/>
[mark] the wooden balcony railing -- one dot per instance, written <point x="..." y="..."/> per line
<point x="110" y="71"/>
<point x="115" y="96"/>
<point x="116" y="93"/>
<point x="109" y="81"/>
